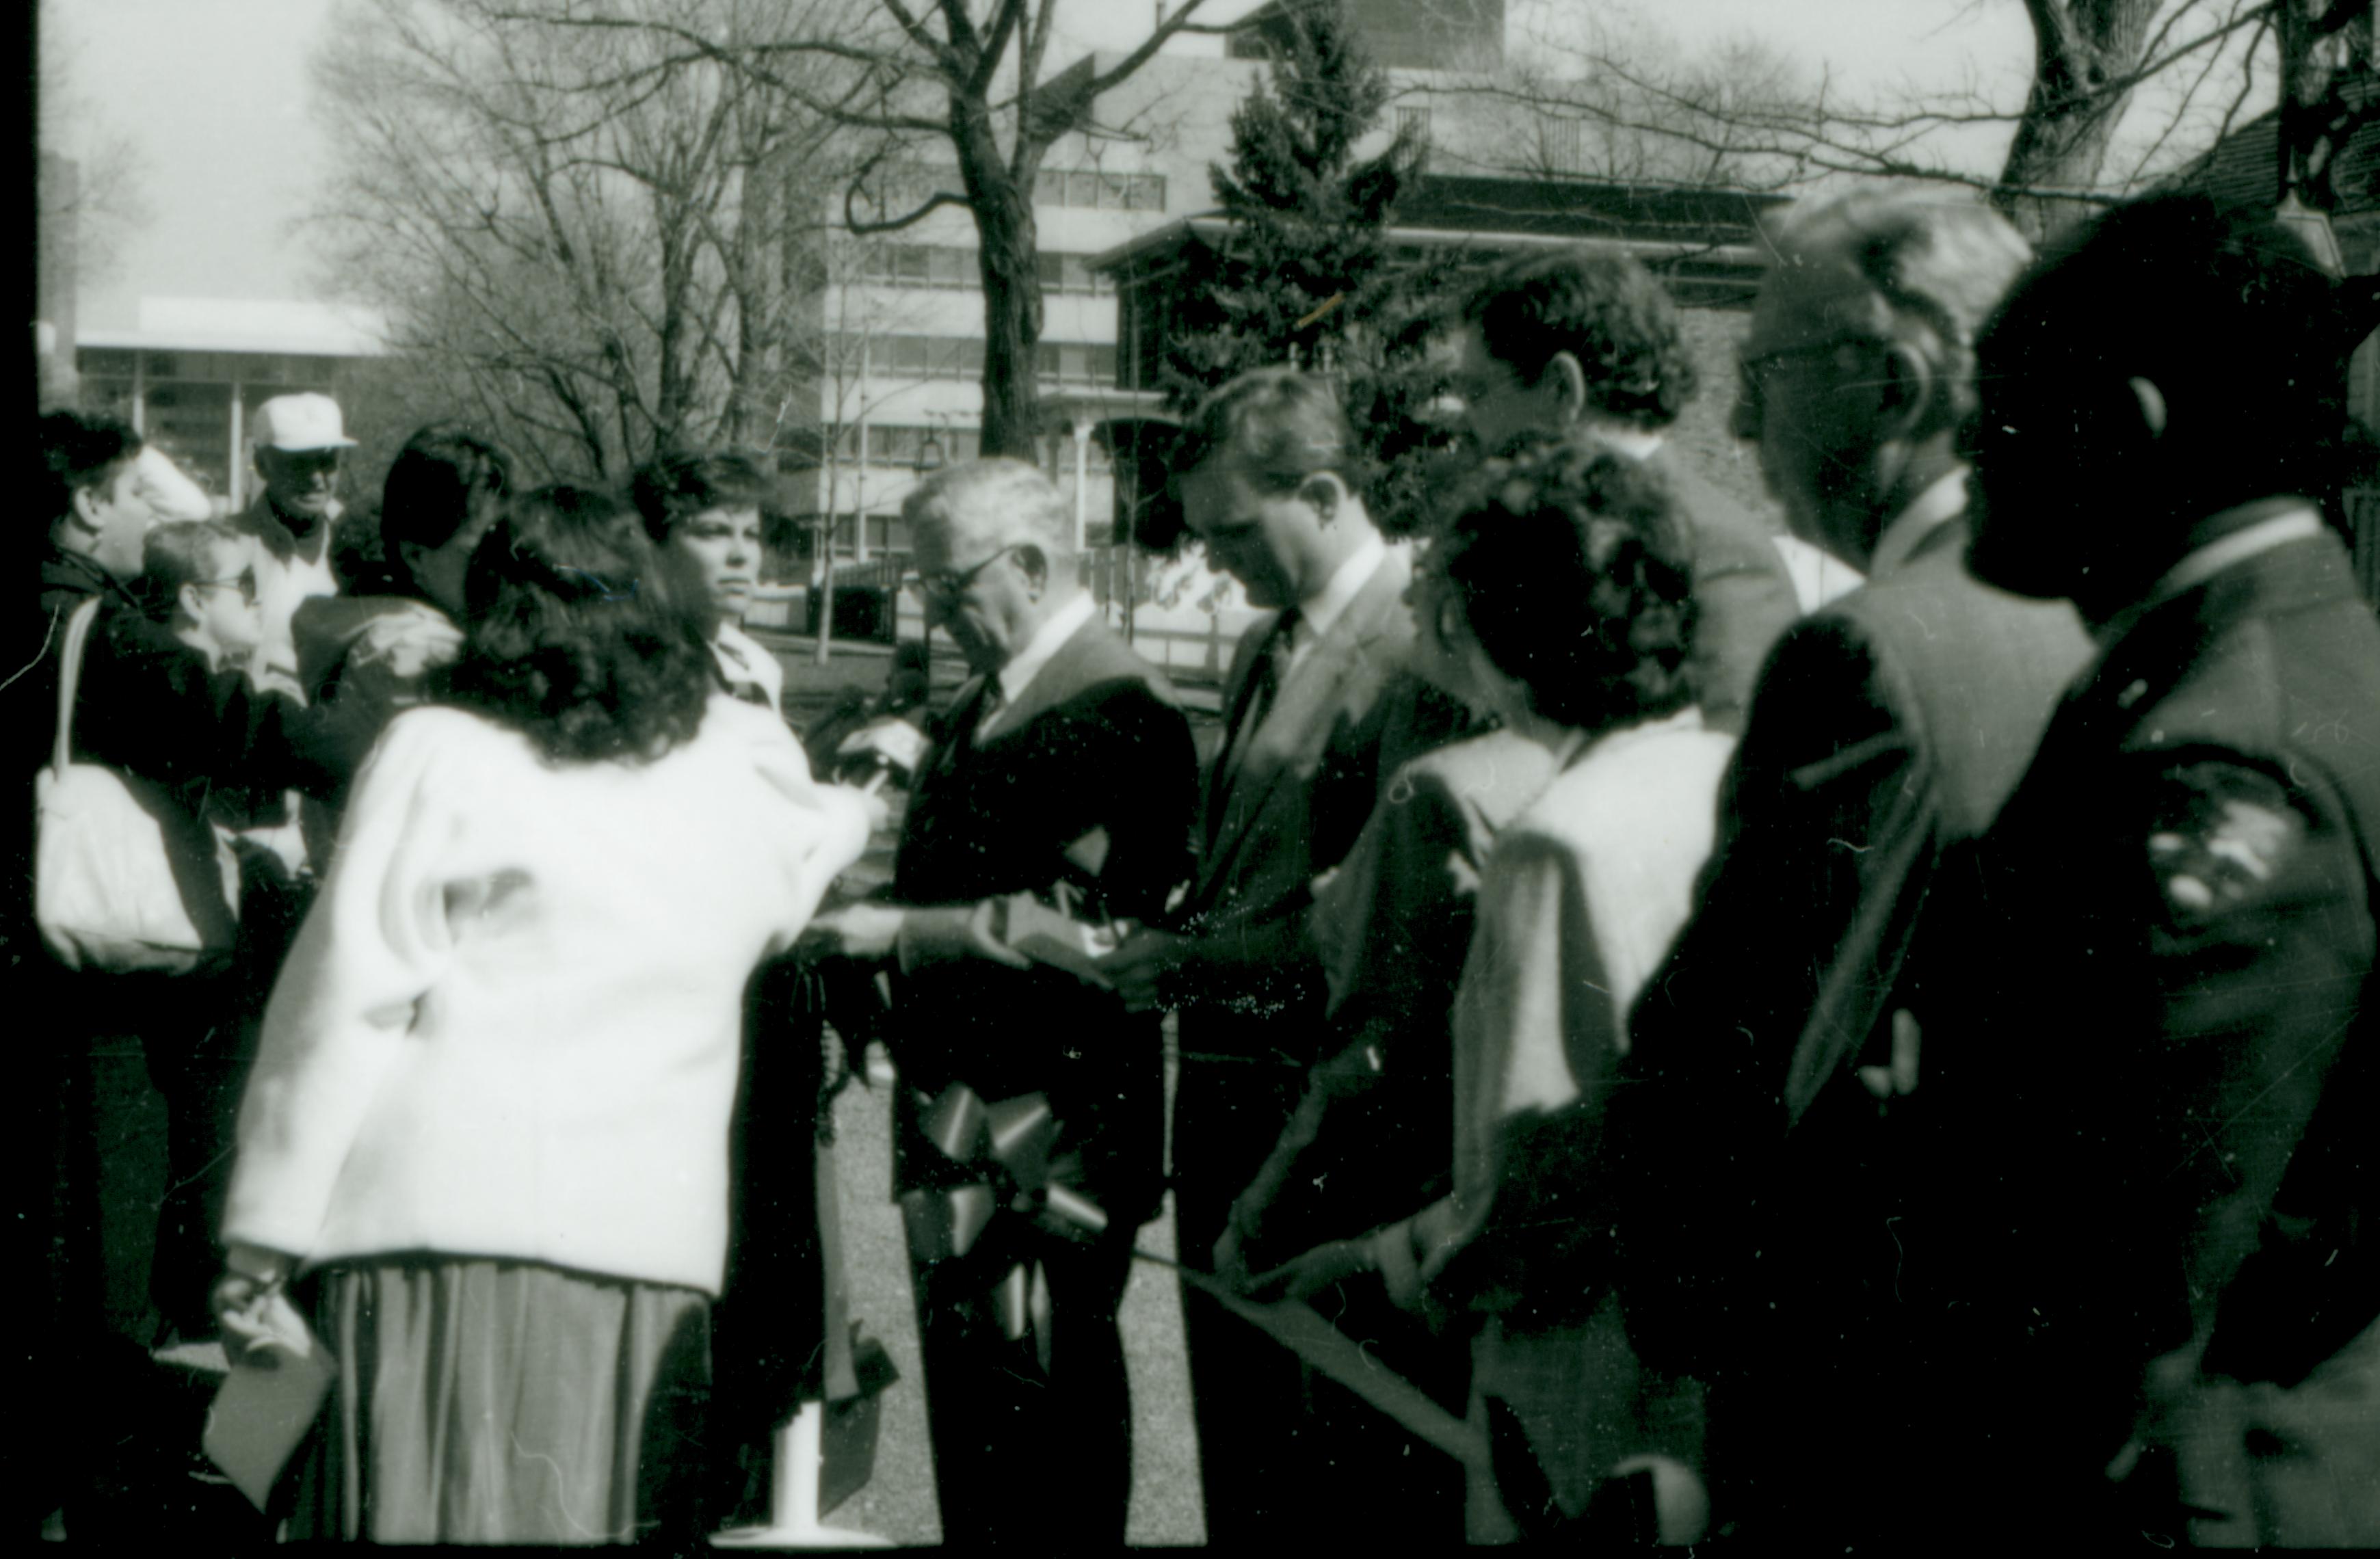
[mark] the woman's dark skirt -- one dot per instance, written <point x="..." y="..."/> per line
<point x="505" y="1402"/>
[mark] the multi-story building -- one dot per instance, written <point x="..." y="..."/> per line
<point x="899" y="388"/>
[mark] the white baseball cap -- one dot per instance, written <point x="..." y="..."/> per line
<point x="167" y="488"/>
<point x="300" y="422"/>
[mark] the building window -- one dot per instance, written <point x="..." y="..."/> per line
<point x="1091" y="189"/>
<point x="956" y="356"/>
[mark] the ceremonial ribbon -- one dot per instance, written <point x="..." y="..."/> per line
<point x="1300" y="1328"/>
<point x="997" y="1157"/>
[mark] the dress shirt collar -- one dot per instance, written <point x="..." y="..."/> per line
<point x="1046" y="640"/>
<point x="740" y="660"/>
<point x="2294" y="520"/>
<point x="1318" y="611"/>
<point x="1935" y="507"/>
<point x="1634" y="442"/>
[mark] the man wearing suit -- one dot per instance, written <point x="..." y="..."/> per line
<point x="1756" y="1214"/>
<point x="1057" y="799"/>
<point x="2153" y="1223"/>
<point x="1261" y="470"/>
<point x="1573" y="344"/>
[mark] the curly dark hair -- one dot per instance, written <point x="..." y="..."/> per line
<point x="1575" y="574"/>
<point x="581" y="635"/>
<point x="1606" y="310"/>
<point x="669" y="487"/>
<point x="442" y="479"/>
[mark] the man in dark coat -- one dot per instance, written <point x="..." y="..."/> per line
<point x="2145" y="1251"/>
<point x="1057" y="803"/>
<point x="1887" y="727"/>
<point x="1576" y="344"/>
<point x="1316" y="703"/>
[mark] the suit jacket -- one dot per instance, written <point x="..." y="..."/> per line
<point x="1743" y="593"/>
<point x="2156" y="975"/>
<point x="1889" y="725"/>
<point x="1087" y="780"/>
<point x="1373" y="1136"/>
<point x="1292" y="810"/>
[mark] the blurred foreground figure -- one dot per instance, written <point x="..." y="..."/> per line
<point x="2145" y="1257"/>
<point x="1885" y="727"/>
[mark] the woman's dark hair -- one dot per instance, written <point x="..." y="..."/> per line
<point x="1576" y="573"/>
<point x="670" y="488"/>
<point x="442" y="480"/>
<point x="581" y="635"/>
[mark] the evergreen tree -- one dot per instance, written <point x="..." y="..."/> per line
<point x="1305" y="262"/>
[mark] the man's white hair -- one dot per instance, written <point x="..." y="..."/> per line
<point x="996" y="501"/>
<point x="1930" y="264"/>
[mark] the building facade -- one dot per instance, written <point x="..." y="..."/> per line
<point x="193" y="373"/>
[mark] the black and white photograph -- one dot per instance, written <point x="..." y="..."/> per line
<point x="1311" y="775"/>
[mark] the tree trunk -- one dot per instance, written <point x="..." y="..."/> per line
<point x="2071" y="112"/>
<point x="1002" y="194"/>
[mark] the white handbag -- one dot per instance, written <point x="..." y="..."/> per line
<point x="105" y="892"/>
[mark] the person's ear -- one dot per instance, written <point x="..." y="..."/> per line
<point x="1324" y="493"/>
<point x="1906" y="391"/>
<point x="1035" y="562"/>
<point x="186" y="602"/>
<point x="85" y="512"/>
<point x="1566" y="379"/>
<point x="2148" y="401"/>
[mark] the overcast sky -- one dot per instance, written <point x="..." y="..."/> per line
<point x="215" y="99"/>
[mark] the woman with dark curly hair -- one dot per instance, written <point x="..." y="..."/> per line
<point x="488" y="1127"/>
<point x="1564" y="593"/>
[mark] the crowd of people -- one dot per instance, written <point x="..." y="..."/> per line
<point x="1799" y="1039"/>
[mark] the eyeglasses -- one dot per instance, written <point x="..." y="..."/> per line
<point x="245" y="583"/>
<point x="948" y="583"/>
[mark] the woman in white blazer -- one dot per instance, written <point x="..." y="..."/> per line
<point x="487" y="1129"/>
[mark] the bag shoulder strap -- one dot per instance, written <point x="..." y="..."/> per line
<point x="70" y="677"/>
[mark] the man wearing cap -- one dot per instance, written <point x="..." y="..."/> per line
<point x="298" y="441"/>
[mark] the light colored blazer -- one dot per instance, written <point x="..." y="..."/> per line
<point x="510" y="1026"/>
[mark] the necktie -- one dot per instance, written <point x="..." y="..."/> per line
<point x="1265" y="680"/>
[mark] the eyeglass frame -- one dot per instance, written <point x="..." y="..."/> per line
<point x="245" y="581"/>
<point x="1749" y="370"/>
<point x="949" y="585"/>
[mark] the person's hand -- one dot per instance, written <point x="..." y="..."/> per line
<point x="895" y="741"/>
<point x="862" y="931"/>
<point x="407" y="643"/>
<point x="1310" y="1274"/>
<point x="1142" y="966"/>
<point x="871" y="802"/>
<point x="250" y="1276"/>
<point x="943" y="935"/>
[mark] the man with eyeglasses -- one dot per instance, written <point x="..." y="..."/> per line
<point x="1055" y="806"/>
<point x="1753" y="1183"/>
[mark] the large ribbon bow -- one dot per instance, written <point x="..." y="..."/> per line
<point x="996" y="1158"/>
